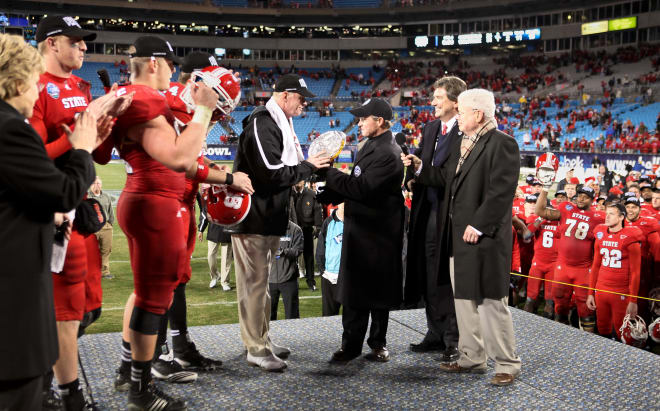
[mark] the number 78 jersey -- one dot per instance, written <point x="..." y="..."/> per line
<point x="576" y="234"/>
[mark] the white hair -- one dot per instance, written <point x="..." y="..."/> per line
<point x="479" y="99"/>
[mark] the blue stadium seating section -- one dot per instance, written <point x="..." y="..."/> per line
<point x="183" y="1"/>
<point x="300" y="3"/>
<point x="339" y="4"/>
<point x="322" y="87"/>
<point x="230" y="3"/>
<point x="345" y="94"/>
<point x="620" y="111"/>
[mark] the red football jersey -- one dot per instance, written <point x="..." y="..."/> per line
<point x="144" y="174"/>
<point x="178" y="107"/>
<point x="576" y="233"/>
<point x="182" y="117"/>
<point x="518" y="208"/>
<point x="527" y="189"/>
<point x="59" y="101"/>
<point x="546" y="244"/>
<point x="614" y="272"/>
<point x="515" y="252"/>
<point x="648" y="226"/>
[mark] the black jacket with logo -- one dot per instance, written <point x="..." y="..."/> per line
<point x="259" y="156"/>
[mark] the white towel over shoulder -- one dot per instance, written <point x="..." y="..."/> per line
<point x="291" y="153"/>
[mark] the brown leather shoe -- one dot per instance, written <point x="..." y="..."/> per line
<point x="453" y="367"/>
<point x="503" y="379"/>
<point x="378" y="355"/>
<point x="342" y="357"/>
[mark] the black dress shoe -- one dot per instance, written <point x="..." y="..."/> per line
<point x="450" y="354"/>
<point x="426" y="346"/>
<point x="342" y="356"/>
<point x="378" y="355"/>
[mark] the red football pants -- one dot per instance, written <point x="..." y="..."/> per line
<point x="537" y="274"/>
<point x="562" y="293"/>
<point x="190" y="235"/>
<point x="69" y="285"/>
<point x="610" y="311"/>
<point x="93" y="290"/>
<point x="154" y="230"/>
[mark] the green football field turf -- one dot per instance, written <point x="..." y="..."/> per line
<point x="205" y="306"/>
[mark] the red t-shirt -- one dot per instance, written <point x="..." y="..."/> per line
<point x="614" y="272"/>
<point x="648" y="226"/>
<point x="60" y="99"/>
<point x="576" y="233"/>
<point x="546" y="244"/>
<point x="144" y="174"/>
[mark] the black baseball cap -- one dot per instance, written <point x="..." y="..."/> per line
<point x="62" y="25"/>
<point x="632" y="200"/>
<point x="152" y="46"/>
<point x="197" y="60"/>
<point x="561" y="193"/>
<point x="629" y="194"/>
<point x="587" y="190"/>
<point x="529" y="179"/>
<point x="537" y="182"/>
<point x="293" y="83"/>
<point x="374" y="107"/>
<point x="531" y="198"/>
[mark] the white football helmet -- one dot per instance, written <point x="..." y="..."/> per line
<point x="654" y="330"/>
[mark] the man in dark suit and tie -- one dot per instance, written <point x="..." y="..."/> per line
<point x="423" y="279"/>
<point x="479" y="179"/>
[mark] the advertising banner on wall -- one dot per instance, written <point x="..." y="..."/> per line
<point x="228" y="153"/>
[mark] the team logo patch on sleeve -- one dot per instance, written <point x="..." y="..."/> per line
<point x="569" y="207"/>
<point x="53" y="90"/>
<point x="357" y="171"/>
<point x="599" y="235"/>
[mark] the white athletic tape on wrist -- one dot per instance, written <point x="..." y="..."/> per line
<point x="202" y="116"/>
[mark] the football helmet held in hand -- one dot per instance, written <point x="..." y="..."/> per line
<point x="222" y="81"/>
<point x="633" y="331"/>
<point x="226" y="206"/>
<point x="546" y="169"/>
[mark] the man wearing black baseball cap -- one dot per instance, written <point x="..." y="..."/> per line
<point x="371" y="281"/>
<point x="270" y="153"/>
<point x="152" y="46"/>
<point x="62" y="26"/>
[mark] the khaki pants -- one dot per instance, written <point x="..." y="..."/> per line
<point x="104" y="236"/>
<point x="253" y="256"/>
<point x="226" y="257"/>
<point x="485" y="330"/>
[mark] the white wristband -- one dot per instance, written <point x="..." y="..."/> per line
<point x="202" y="116"/>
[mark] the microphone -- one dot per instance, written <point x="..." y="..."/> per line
<point x="400" y="139"/>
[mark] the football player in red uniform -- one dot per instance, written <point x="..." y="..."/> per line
<point x="62" y="95"/>
<point x="575" y="253"/>
<point x="655" y="202"/>
<point x="560" y="197"/>
<point x="615" y="268"/>
<point x="185" y="351"/>
<point x="149" y="209"/>
<point x="650" y="247"/>
<point x="543" y="264"/>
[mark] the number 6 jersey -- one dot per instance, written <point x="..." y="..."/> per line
<point x="576" y="234"/>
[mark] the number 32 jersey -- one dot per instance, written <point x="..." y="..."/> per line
<point x="576" y="234"/>
<point x="613" y="251"/>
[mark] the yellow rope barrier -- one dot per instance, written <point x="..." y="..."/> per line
<point x="584" y="286"/>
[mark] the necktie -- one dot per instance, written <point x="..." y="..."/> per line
<point x="440" y="153"/>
